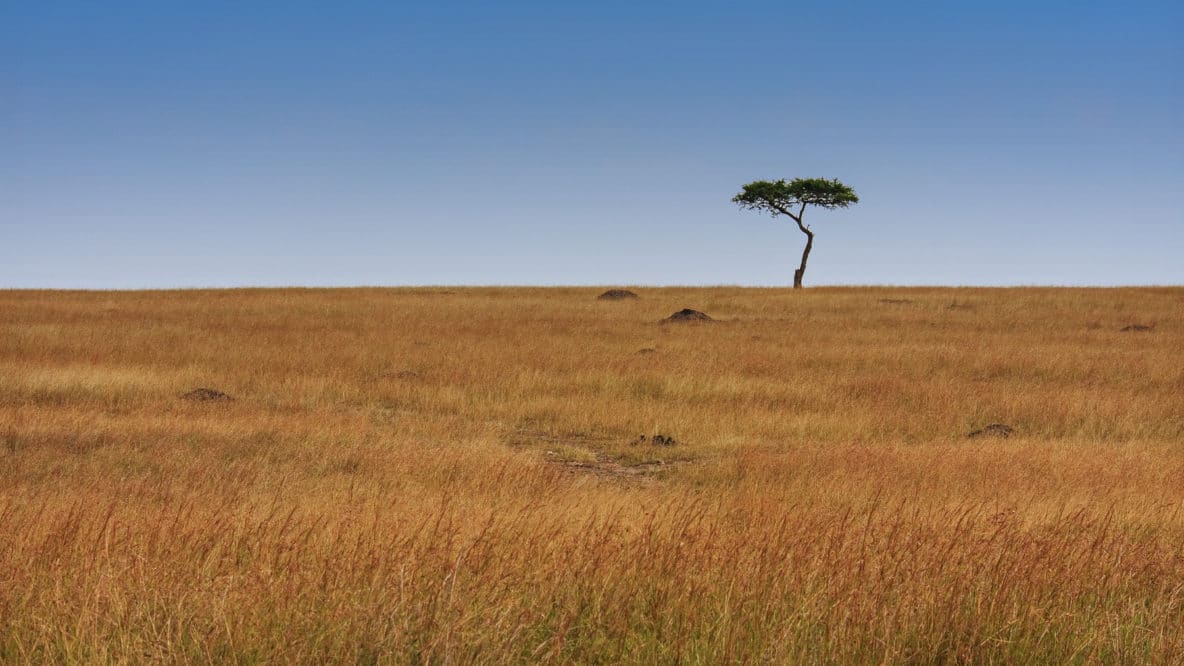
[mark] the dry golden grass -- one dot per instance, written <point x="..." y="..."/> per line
<point x="446" y="476"/>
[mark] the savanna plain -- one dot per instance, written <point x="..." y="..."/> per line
<point x="458" y="475"/>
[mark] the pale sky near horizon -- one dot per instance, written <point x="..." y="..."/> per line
<point x="167" y="144"/>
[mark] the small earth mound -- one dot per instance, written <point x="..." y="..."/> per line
<point x="687" y="314"/>
<point x="656" y="440"/>
<point x="1136" y="328"/>
<point x="206" y="395"/>
<point x="647" y="350"/>
<point x="999" y="430"/>
<point x="616" y="295"/>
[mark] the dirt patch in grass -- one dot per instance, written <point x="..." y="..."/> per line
<point x="206" y="395"/>
<point x="656" y="440"/>
<point x="688" y="315"/>
<point x="997" y="430"/>
<point x="585" y="453"/>
<point x="1136" y="328"/>
<point x="608" y="468"/>
<point x="617" y="295"/>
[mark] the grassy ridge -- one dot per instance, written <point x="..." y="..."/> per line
<point x="449" y="475"/>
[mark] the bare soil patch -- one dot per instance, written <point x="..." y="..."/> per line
<point x="611" y="469"/>
<point x="656" y="440"/>
<point x="616" y="295"/>
<point x="687" y="314"/>
<point x="206" y="395"/>
<point x="581" y="453"/>
<point x="998" y="430"/>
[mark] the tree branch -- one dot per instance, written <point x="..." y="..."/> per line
<point x="796" y="218"/>
<point x="784" y="211"/>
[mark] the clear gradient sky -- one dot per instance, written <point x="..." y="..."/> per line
<point x="167" y="144"/>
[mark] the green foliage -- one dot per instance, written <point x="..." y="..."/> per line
<point x="781" y="197"/>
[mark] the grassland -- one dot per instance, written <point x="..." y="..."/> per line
<point x="448" y="476"/>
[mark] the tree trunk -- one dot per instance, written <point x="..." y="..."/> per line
<point x="797" y="275"/>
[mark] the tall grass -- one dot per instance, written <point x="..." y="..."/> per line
<point x="449" y="476"/>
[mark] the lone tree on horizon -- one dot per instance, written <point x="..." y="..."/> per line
<point x="781" y="198"/>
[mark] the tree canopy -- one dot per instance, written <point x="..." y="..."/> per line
<point x="780" y="197"/>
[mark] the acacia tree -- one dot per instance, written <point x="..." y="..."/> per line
<point x="781" y="198"/>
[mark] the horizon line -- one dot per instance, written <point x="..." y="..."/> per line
<point x="260" y="287"/>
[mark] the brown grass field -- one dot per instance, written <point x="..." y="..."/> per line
<point x="449" y="476"/>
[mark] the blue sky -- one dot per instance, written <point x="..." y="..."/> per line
<point x="167" y="144"/>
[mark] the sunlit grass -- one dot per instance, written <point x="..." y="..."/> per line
<point x="454" y="475"/>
